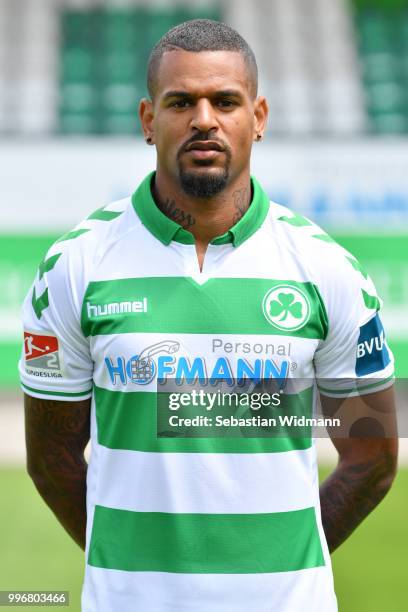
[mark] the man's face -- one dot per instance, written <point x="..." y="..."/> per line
<point x="203" y="119"/>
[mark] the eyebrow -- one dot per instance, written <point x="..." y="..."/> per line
<point x="227" y="93"/>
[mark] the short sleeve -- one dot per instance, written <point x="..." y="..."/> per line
<point x="55" y="361"/>
<point x="355" y="358"/>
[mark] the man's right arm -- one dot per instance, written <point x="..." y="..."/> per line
<point x="57" y="433"/>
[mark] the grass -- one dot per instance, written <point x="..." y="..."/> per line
<point x="36" y="554"/>
<point x="370" y="569"/>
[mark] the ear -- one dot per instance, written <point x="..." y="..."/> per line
<point x="146" y="116"/>
<point x="261" y="112"/>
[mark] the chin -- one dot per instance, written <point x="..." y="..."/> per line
<point x="203" y="182"/>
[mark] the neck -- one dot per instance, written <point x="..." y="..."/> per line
<point x="205" y="218"/>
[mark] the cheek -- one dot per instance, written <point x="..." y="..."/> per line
<point x="169" y="135"/>
<point x="244" y="141"/>
<point x="243" y="137"/>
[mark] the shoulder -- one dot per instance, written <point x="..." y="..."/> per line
<point x="104" y="224"/>
<point x="80" y="249"/>
<point x="301" y="233"/>
<point x="339" y="276"/>
<point x="312" y="245"/>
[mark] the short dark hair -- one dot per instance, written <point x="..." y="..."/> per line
<point x="201" y="35"/>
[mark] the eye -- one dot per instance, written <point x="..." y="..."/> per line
<point x="224" y="103"/>
<point x="180" y="104"/>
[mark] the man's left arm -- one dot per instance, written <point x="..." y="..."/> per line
<point x="366" y="466"/>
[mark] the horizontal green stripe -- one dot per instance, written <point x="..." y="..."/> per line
<point x="180" y="305"/>
<point x="205" y="543"/>
<point x="79" y="394"/>
<point x="128" y="421"/>
<point x="358" y="387"/>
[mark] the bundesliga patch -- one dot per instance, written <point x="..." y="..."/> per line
<point x="372" y="352"/>
<point x="42" y="355"/>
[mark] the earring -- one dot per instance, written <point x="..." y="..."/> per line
<point x="149" y="140"/>
<point x="259" y="137"/>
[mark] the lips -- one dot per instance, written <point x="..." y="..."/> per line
<point x="209" y="145"/>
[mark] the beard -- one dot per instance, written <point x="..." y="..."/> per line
<point x="202" y="184"/>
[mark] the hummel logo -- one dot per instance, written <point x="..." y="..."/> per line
<point x="39" y="303"/>
<point x="116" y="308"/>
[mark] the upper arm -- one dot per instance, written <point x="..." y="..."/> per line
<point x="56" y="363"/>
<point x="55" y="430"/>
<point x="354" y="365"/>
<point x="56" y="367"/>
<point x="354" y="358"/>
<point x="368" y="431"/>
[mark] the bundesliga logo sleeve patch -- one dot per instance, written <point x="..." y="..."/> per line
<point x="42" y="355"/>
<point x="372" y="352"/>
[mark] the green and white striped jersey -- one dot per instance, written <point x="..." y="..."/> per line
<point x="204" y="524"/>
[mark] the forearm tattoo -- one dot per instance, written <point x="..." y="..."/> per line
<point x="56" y="436"/>
<point x="350" y="494"/>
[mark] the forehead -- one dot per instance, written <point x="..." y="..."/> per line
<point x="200" y="72"/>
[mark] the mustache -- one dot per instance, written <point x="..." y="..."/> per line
<point x="202" y="136"/>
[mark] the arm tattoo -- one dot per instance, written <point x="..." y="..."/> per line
<point x="241" y="204"/>
<point x="169" y="208"/>
<point x="350" y="494"/>
<point x="56" y="436"/>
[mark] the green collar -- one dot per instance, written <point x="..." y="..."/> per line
<point x="166" y="229"/>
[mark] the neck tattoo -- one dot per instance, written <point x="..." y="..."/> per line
<point x="169" y="208"/>
<point x="241" y="204"/>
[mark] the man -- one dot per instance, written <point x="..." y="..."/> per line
<point x="198" y="274"/>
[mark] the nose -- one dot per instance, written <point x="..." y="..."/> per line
<point x="204" y="118"/>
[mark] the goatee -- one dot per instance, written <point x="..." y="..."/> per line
<point x="203" y="185"/>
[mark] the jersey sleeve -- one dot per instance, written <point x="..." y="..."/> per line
<point x="55" y="361"/>
<point x="354" y="358"/>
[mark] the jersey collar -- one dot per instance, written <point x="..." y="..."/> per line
<point x="166" y="229"/>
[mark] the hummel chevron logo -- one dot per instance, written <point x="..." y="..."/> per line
<point x="73" y="234"/>
<point x="296" y="220"/>
<point x="48" y="264"/>
<point x="357" y="266"/>
<point x="104" y="215"/>
<point x="41" y="303"/>
<point x="371" y="301"/>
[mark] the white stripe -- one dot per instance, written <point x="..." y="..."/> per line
<point x="309" y="590"/>
<point x="206" y="346"/>
<point x="206" y="482"/>
<point x="178" y="259"/>
<point x="57" y="396"/>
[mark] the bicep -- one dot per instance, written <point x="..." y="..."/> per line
<point x="54" y="430"/>
<point x="368" y="427"/>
